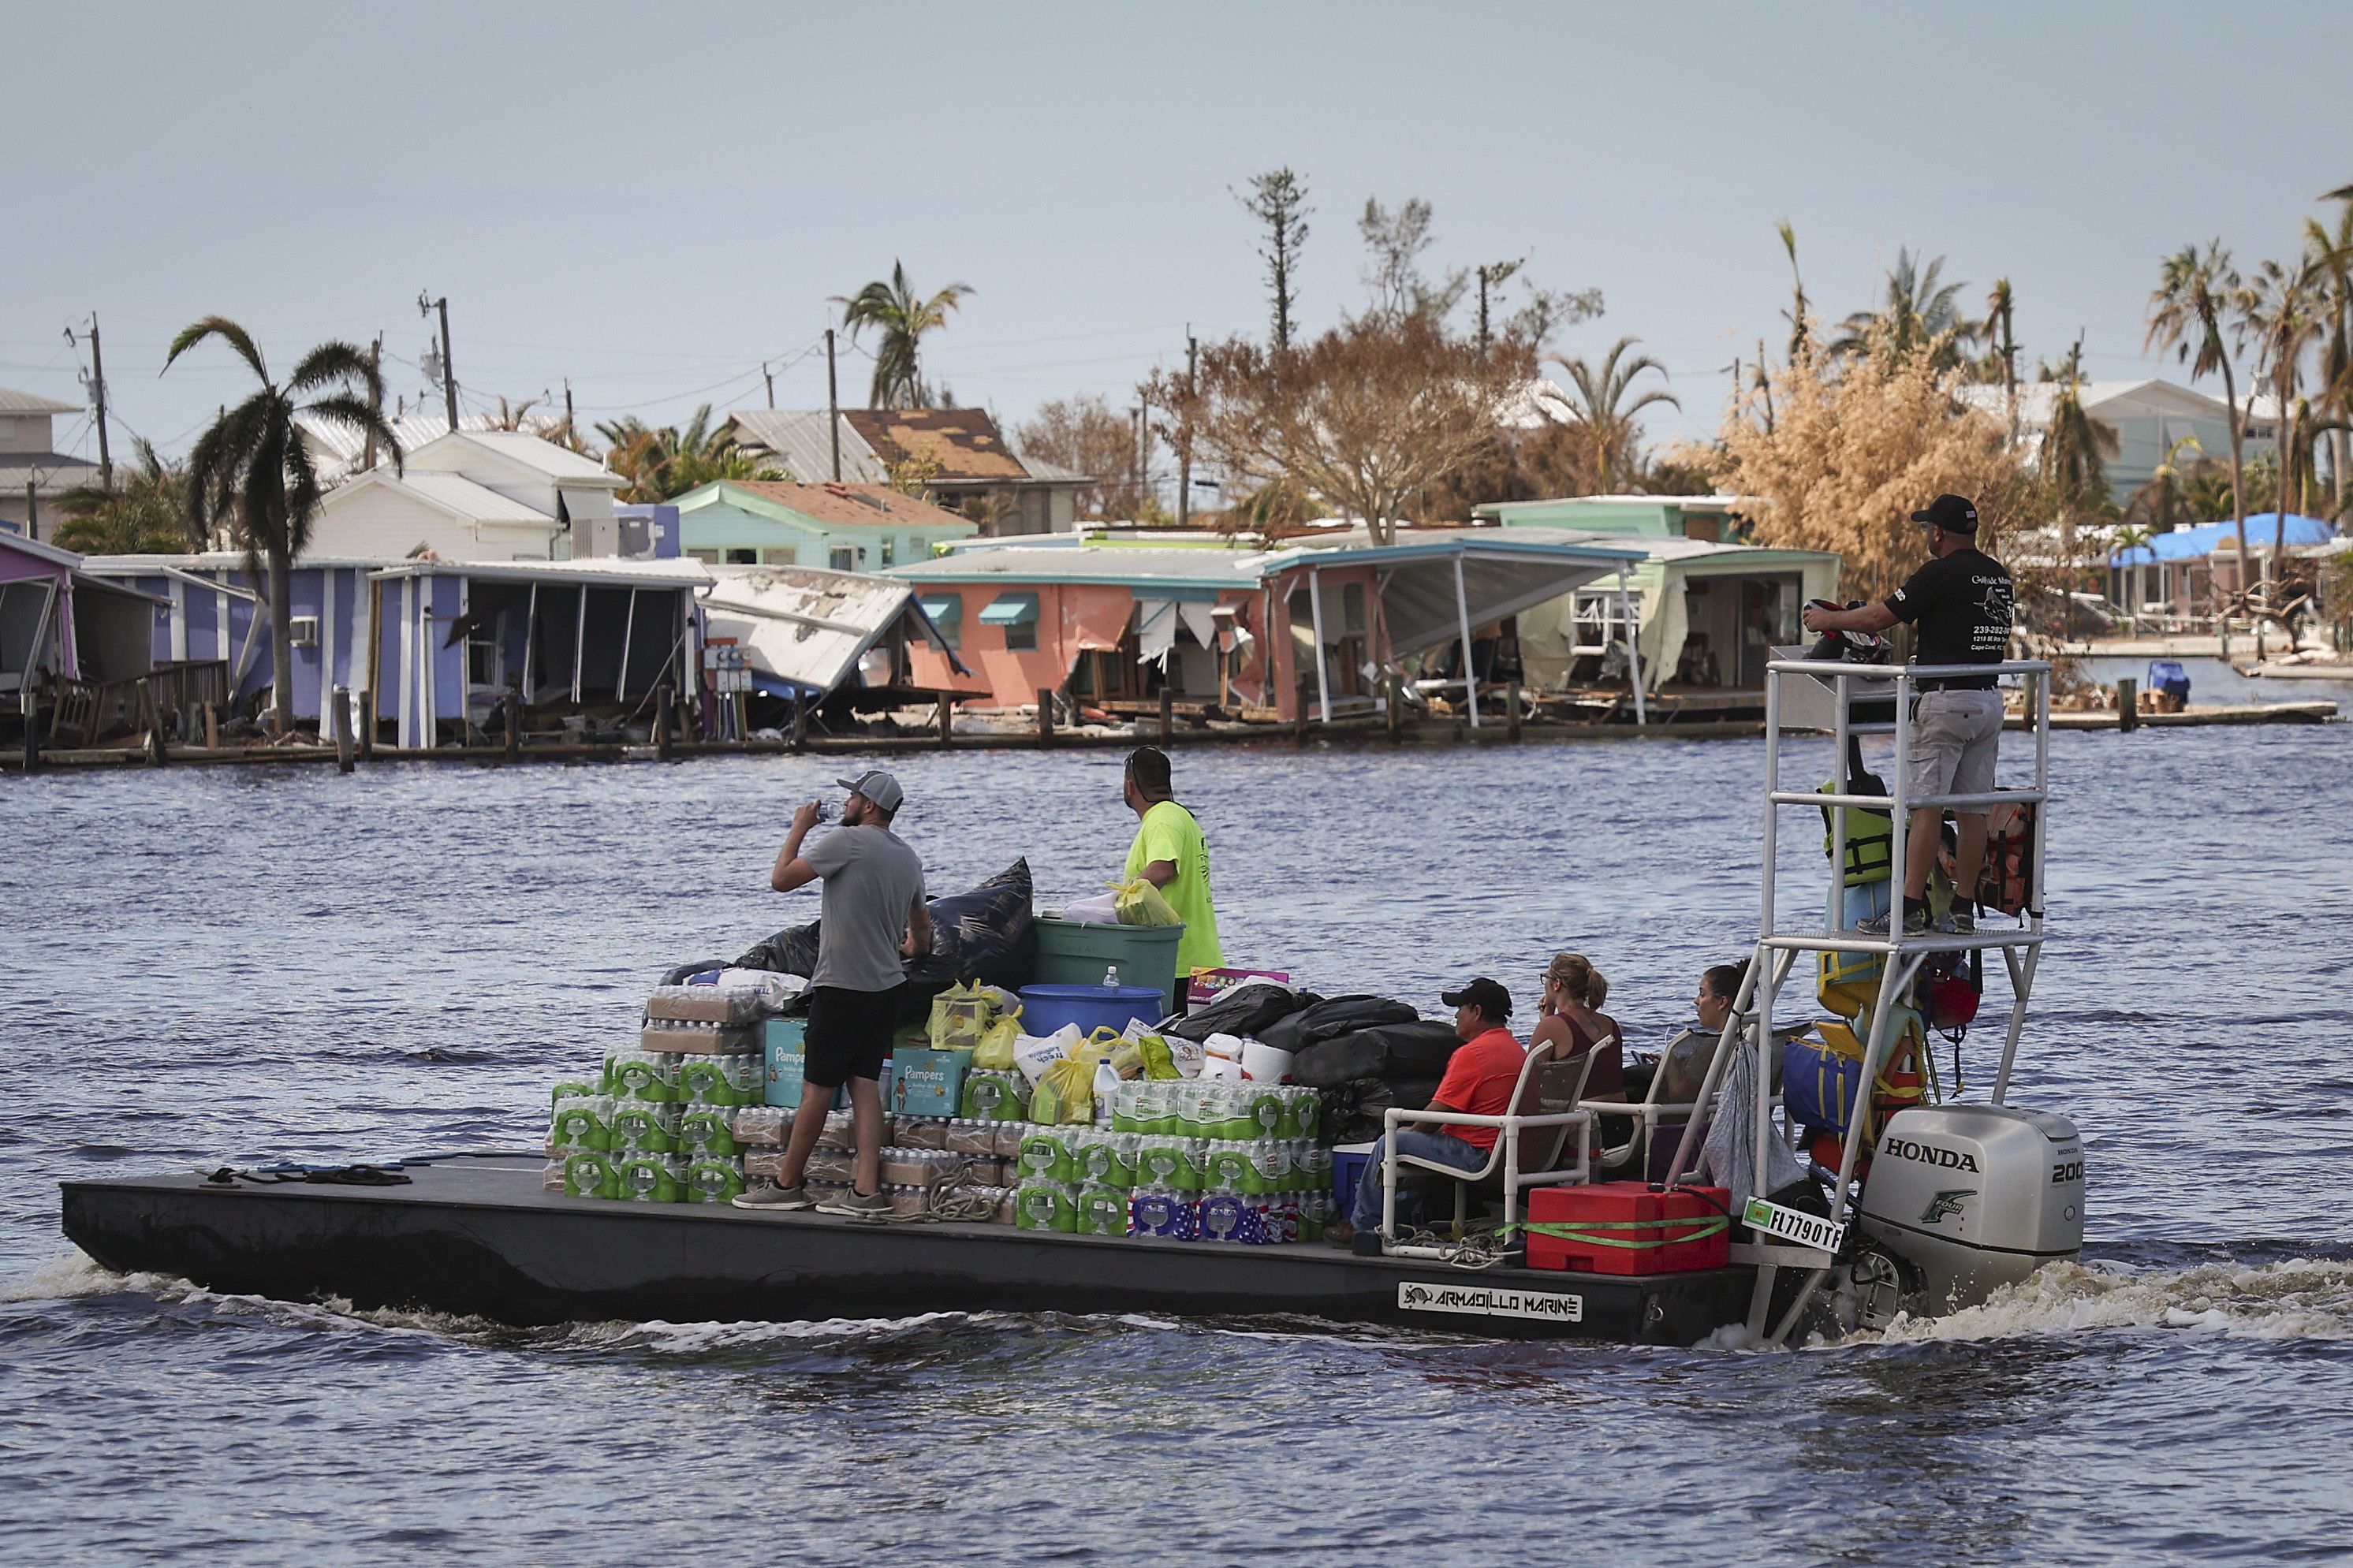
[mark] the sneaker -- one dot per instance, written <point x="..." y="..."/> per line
<point x="1340" y="1234"/>
<point x="1916" y="922"/>
<point x="1959" y="922"/>
<point x="1368" y="1243"/>
<point x="855" y="1204"/>
<point x="768" y="1195"/>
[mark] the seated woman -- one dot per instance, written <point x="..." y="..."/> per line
<point x="1571" y="1020"/>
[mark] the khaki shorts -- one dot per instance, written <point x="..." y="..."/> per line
<point x="1954" y="736"/>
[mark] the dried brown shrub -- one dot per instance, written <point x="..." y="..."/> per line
<point x="1853" y="449"/>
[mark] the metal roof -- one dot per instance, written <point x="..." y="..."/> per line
<point x="797" y="437"/>
<point x="598" y="571"/>
<point x="461" y="496"/>
<point x="1137" y="568"/>
<point x="561" y="463"/>
<point x="808" y="625"/>
<point x="336" y="449"/>
<point x="15" y="402"/>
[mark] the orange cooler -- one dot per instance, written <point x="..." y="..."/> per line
<point x="1628" y="1227"/>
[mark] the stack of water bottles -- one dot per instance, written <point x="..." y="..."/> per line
<point x="659" y="1124"/>
<point x="1185" y="1159"/>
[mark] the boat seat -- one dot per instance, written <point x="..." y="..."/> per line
<point x="1545" y="1124"/>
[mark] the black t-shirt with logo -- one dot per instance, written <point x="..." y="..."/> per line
<point x="1961" y="603"/>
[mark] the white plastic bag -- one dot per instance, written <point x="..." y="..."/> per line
<point x="1101" y="909"/>
<point x="1033" y="1054"/>
<point x="1186" y="1055"/>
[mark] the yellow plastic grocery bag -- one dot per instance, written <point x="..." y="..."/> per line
<point x="1139" y="903"/>
<point x="1065" y="1095"/>
<point x="994" y="1051"/>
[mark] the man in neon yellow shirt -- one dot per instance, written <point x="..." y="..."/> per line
<point x="1170" y="853"/>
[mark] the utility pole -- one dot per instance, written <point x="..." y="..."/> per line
<point x="569" y="429"/>
<point x="1138" y="413"/>
<point x="426" y="307"/>
<point x="832" y="407"/>
<point x="98" y="391"/>
<point x="770" y="377"/>
<point x="375" y="392"/>
<point x="1184" y="457"/>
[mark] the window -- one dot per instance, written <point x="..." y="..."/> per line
<point x="786" y="556"/>
<point x="482" y="652"/>
<point x="890" y="552"/>
<point x="1601" y="620"/>
<point x="743" y="557"/>
<point x="1351" y="608"/>
<point x="1018" y="614"/>
<point x="947" y="611"/>
<point x="707" y="557"/>
<point x="844" y="560"/>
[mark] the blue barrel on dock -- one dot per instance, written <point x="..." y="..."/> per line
<point x="1046" y="1009"/>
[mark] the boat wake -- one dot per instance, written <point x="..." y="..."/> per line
<point x="2297" y="1299"/>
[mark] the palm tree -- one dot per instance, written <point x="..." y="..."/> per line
<point x="2002" y="347"/>
<point x="1921" y="316"/>
<point x="252" y="471"/>
<point x="2163" y="496"/>
<point x="2073" y="452"/>
<point x="146" y="512"/>
<point x="1796" y="311"/>
<point x="2277" y="313"/>
<point x="902" y="320"/>
<point x="666" y="462"/>
<point x="2331" y="258"/>
<point x="1603" y="418"/>
<point x="2185" y="313"/>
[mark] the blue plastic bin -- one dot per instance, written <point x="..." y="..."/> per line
<point x="1046" y="1009"/>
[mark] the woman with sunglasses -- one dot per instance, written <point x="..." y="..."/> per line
<point x="1570" y="1017"/>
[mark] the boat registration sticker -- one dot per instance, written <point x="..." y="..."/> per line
<point x="1793" y="1225"/>
<point x="1491" y="1301"/>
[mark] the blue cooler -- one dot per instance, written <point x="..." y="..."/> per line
<point x="2165" y="675"/>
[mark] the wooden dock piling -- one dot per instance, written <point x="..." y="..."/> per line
<point x="29" y="704"/>
<point x="1167" y="713"/>
<point x="947" y="720"/>
<point x="800" y="719"/>
<point x="661" y="722"/>
<point x="366" y="737"/>
<point x="2128" y="704"/>
<point x="1045" y="717"/>
<point x="1394" y="702"/>
<point x="514" y="718"/>
<point x="345" y="747"/>
<point x="1511" y="712"/>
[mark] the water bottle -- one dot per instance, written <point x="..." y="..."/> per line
<point x="1111" y="977"/>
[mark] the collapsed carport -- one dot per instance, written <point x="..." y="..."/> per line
<point x="1434" y="591"/>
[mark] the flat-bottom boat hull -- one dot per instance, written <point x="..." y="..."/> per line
<point x="477" y="1236"/>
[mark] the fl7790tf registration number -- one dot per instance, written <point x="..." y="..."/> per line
<point x="1492" y="1302"/>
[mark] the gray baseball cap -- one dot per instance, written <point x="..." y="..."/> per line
<point x="878" y="787"/>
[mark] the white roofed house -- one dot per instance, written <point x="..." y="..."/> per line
<point x="477" y="495"/>
<point x="2147" y="418"/>
<point x="33" y="476"/>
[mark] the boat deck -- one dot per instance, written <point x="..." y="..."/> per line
<point x="478" y="1234"/>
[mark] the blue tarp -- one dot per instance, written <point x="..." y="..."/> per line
<point x="2193" y="543"/>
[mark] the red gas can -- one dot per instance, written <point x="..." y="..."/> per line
<point x="1628" y="1227"/>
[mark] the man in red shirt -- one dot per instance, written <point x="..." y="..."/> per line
<point x="1480" y="1078"/>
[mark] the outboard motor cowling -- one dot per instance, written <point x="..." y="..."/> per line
<point x="1975" y="1197"/>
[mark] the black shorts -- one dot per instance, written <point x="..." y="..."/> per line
<point x="849" y="1033"/>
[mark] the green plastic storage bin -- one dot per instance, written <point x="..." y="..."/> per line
<point x="1076" y="952"/>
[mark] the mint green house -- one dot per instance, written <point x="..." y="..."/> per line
<point x="846" y="528"/>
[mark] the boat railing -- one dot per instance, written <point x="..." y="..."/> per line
<point x="1902" y="955"/>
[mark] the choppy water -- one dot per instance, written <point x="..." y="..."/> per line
<point x="234" y="965"/>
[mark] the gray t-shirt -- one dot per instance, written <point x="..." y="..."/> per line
<point x="871" y="881"/>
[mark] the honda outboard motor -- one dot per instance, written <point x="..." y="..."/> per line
<point x="1973" y="1197"/>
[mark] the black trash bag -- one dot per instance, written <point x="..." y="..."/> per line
<point x="1353" y="1110"/>
<point x="1329" y="1019"/>
<point x="983" y="935"/>
<point x="1412" y="1050"/>
<point x="1246" y="1011"/>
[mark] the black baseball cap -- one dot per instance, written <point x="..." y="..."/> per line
<point x="1954" y="514"/>
<point x="1489" y="997"/>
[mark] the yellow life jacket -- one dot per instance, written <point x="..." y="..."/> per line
<point x="1869" y="841"/>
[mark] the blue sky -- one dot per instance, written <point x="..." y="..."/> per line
<point x="653" y="201"/>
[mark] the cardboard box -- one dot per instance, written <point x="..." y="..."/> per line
<point x="926" y="1082"/>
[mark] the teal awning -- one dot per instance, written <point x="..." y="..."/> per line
<point x="945" y="610"/>
<point x="1010" y="610"/>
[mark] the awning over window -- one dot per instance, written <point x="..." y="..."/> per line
<point x="945" y="609"/>
<point x="1010" y="610"/>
